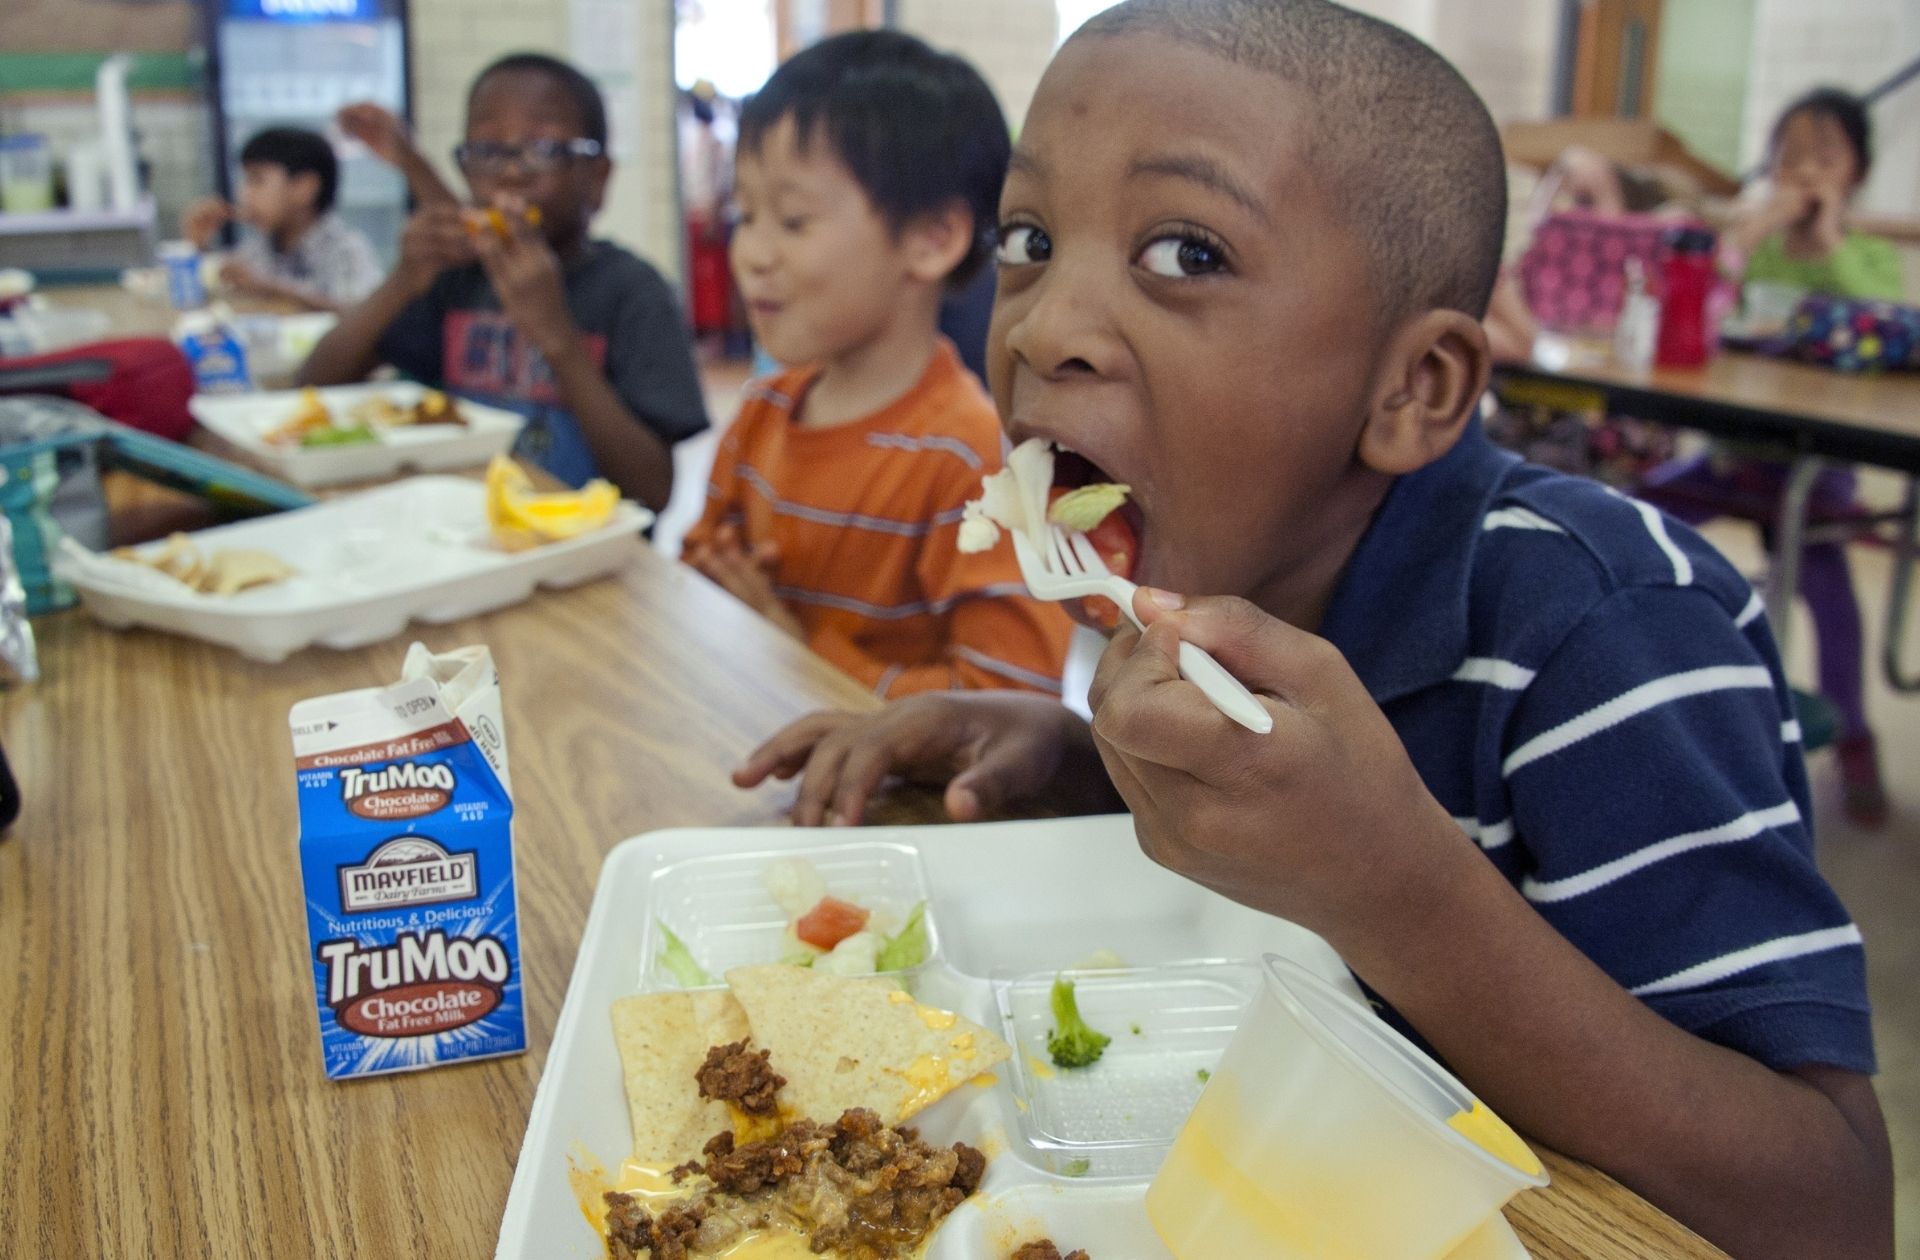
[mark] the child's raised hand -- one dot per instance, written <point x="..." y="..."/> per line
<point x="1315" y="821"/>
<point x="435" y="240"/>
<point x="378" y="128"/>
<point x="990" y="749"/>
<point x="526" y="275"/>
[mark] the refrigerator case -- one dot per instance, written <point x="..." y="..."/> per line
<point x="294" y="63"/>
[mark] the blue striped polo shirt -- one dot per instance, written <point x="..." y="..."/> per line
<point x="1593" y="692"/>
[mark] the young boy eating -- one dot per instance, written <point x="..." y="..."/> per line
<point x="867" y="174"/>
<point x="509" y="301"/>
<point x="1534" y="770"/>
<point x="294" y="246"/>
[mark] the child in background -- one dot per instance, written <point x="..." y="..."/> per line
<point x="511" y="303"/>
<point x="1533" y="771"/>
<point x="293" y="246"/>
<point x="1820" y="153"/>
<point x="866" y="178"/>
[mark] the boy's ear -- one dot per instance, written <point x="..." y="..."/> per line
<point x="1431" y="377"/>
<point x="936" y="241"/>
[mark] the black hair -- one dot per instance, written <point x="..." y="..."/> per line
<point x="298" y="152"/>
<point x="1407" y="149"/>
<point x="1846" y="110"/>
<point x="919" y="129"/>
<point x="575" y="86"/>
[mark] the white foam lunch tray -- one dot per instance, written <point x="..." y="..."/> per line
<point x="246" y="419"/>
<point x="1010" y="903"/>
<point x="367" y="565"/>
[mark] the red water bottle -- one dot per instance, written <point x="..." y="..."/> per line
<point x="1686" y="280"/>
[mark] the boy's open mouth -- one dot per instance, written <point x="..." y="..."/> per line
<point x="1118" y="537"/>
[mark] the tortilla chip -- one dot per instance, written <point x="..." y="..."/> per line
<point x="234" y="570"/>
<point x="853" y="1041"/>
<point x="663" y="1039"/>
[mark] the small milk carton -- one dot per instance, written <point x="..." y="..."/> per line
<point x="406" y="853"/>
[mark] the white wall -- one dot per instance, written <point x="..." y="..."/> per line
<point x="1008" y="41"/>
<point x="1845" y="43"/>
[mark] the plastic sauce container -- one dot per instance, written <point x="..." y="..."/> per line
<point x="1324" y="1134"/>
<point x="26" y="174"/>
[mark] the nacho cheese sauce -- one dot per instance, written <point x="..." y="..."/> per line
<point x="1492" y="1134"/>
<point x="652" y="1184"/>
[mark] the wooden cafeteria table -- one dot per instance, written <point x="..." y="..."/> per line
<point x="1813" y="415"/>
<point x="158" y="1052"/>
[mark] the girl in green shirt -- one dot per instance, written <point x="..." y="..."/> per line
<point x="1820" y="153"/>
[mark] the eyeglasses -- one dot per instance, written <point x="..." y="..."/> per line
<point x="538" y="157"/>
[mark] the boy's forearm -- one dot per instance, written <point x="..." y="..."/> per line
<point x="423" y="181"/>
<point x="350" y="351"/>
<point x="628" y="452"/>
<point x="1765" y="1164"/>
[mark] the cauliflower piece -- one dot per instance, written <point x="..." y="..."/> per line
<point x="1013" y="498"/>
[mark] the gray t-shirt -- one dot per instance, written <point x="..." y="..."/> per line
<point x="332" y="261"/>
<point x="456" y="337"/>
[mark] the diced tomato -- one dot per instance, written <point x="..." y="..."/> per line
<point x="830" y="922"/>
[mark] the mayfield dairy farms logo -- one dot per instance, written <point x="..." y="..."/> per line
<point x="418" y="986"/>
<point x="409" y="871"/>
<point x="407" y="789"/>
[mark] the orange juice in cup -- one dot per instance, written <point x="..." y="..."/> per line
<point x="1325" y="1135"/>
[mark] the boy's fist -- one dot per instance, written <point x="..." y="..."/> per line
<point x="526" y="274"/>
<point x="1317" y="821"/>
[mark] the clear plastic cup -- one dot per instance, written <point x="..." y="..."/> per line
<point x="1325" y="1134"/>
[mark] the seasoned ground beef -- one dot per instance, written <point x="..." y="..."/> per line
<point x="735" y="1074"/>
<point x="633" y="1231"/>
<point x="1043" y="1249"/>
<point x="745" y="1170"/>
<point x="857" y="1189"/>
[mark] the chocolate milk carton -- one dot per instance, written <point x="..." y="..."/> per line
<point x="406" y="851"/>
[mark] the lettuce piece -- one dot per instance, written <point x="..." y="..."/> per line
<point x="679" y="962"/>
<point x="1086" y="507"/>
<point x="909" y="946"/>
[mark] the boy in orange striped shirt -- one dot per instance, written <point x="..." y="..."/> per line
<point x="868" y="175"/>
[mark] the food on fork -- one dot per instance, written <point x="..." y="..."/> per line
<point x="1015" y="498"/>
<point x="1026" y="496"/>
<point x="1085" y="507"/>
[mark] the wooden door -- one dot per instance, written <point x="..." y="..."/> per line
<point x="1615" y="52"/>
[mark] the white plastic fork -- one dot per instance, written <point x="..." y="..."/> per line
<point x="1073" y="569"/>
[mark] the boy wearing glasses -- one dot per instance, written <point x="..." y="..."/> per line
<point x="508" y="301"/>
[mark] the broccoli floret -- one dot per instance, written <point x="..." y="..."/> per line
<point x="1071" y="1043"/>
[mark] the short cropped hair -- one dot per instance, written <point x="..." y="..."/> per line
<point x="298" y="152"/>
<point x="1846" y="110"/>
<point x="575" y="86"/>
<point x="918" y="129"/>
<point x="1405" y="147"/>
